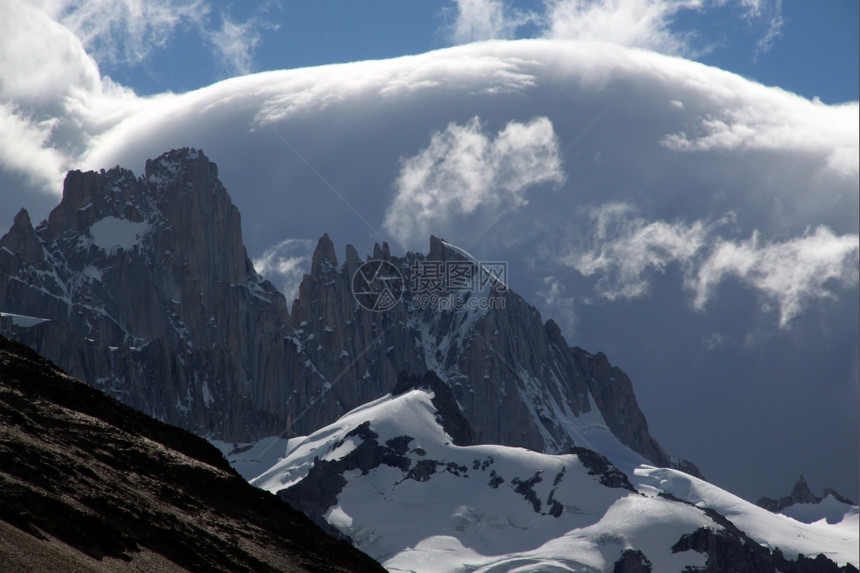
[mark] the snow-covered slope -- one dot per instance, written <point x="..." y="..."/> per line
<point x="388" y="476"/>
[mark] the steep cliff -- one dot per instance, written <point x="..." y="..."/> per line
<point x="151" y="297"/>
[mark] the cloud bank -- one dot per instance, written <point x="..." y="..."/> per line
<point x="648" y="24"/>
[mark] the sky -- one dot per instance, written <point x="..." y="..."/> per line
<point x="674" y="182"/>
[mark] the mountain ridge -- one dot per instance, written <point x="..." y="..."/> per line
<point x="390" y="477"/>
<point x="152" y="298"/>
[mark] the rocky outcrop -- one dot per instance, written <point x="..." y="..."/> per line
<point x="325" y="480"/>
<point x="734" y="551"/>
<point x="613" y="392"/>
<point x="89" y="484"/>
<point x="152" y="298"/>
<point x="598" y="465"/>
<point x="730" y="549"/>
<point x="632" y="561"/>
<point x="800" y="493"/>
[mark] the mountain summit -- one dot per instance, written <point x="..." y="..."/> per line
<point x="150" y="296"/>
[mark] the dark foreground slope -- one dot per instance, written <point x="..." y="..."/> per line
<point x="89" y="484"/>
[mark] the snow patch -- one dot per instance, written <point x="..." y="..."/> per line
<point x="111" y="234"/>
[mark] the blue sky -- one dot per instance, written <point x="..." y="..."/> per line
<point x="699" y="228"/>
<point x="814" y="51"/>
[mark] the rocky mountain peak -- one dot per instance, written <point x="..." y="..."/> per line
<point x="150" y="290"/>
<point x="352" y="255"/>
<point x="324" y="257"/>
<point x="21" y="223"/>
<point x="20" y="245"/>
<point x="500" y="354"/>
<point x="801" y="493"/>
<point x="382" y="252"/>
<point x="187" y="160"/>
<point x="441" y="251"/>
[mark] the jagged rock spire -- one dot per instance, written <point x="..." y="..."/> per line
<point x="323" y="254"/>
<point x="21" y="240"/>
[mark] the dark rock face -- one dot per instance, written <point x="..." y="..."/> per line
<point x="87" y="484"/>
<point x="152" y="298"/>
<point x="800" y="493"/>
<point x="613" y="392"/>
<point x="598" y="465"/>
<point x="632" y="561"/>
<point x="730" y="549"/>
<point x="739" y="554"/>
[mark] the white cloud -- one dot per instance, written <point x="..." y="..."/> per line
<point x="236" y="43"/>
<point x="796" y="124"/>
<point x="23" y="148"/>
<point x="649" y="24"/>
<point x="559" y="303"/>
<point x="713" y="340"/>
<point x="769" y="12"/>
<point x="127" y="32"/>
<point x="791" y="273"/>
<point x="627" y="251"/>
<point x="285" y="263"/>
<point x="487" y="20"/>
<point x="463" y="169"/>
<point x="53" y="97"/>
<point x="638" y="23"/>
<point x="115" y="31"/>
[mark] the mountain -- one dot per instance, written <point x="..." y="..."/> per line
<point x="89" y="484"/>
<point x="414" y="404"/>
<point x="516" y="378"/>
<point x="150" y="296"/>
<point x="805" y="506"/>
<point x="393" y="476"/>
